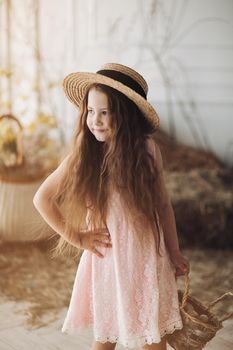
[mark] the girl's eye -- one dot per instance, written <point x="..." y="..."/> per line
<point x="104" y="112"/>
<point x="90" y="111"/>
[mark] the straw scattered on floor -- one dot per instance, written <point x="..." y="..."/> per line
<point x="29" y="274"/>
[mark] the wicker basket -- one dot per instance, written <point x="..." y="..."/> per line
<point x="19" y="220"/>
<point x="199" y="323"/>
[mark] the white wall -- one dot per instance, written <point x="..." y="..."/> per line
<point x="183" y="48"/>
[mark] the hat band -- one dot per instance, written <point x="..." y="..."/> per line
<point x="124" y="79"/>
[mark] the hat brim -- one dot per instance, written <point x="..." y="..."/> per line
<point x="75" y="86"/>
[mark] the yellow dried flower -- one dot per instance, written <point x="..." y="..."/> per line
<point x="5" y="73"/>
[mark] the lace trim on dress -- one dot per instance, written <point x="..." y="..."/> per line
<point x="136" y="341"/>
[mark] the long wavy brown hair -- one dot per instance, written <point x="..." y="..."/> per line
<point x="94" y="168"/>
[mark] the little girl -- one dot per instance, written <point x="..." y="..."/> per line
<point x="108" y="200"/>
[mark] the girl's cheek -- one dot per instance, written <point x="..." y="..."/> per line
<point x="88" y="122"/>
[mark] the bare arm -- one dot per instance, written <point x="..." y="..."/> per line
<point x="47" y="208"/>
<point x="166" y="213"/>
<point x="168" y="222"/>
<point x="167" y="218"/>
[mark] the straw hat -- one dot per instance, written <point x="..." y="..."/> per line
<point x="117" y="76"/>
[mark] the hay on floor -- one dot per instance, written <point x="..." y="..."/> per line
<point x="29" y="274"/>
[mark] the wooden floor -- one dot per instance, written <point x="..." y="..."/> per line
<point x="14" y="335"/>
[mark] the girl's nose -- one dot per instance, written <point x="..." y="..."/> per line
<point x="97" y="118"/>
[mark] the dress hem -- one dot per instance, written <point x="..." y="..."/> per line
<point x="136" y="342"/>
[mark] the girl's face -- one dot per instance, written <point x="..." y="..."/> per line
<point x="99" y="116"/>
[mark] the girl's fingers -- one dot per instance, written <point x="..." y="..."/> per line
<point x="100" y="231"/>
<point x="106" y="237"/>
<point x="104" y="244"/>
<point x="184" y="268"/>
<point x="179" y="272"/>
<point x="94" y="250"/>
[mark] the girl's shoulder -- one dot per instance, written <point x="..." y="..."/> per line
<point x="152" y="146"/>
<point x="55" y="177"/>
<point x="154" y="149"/>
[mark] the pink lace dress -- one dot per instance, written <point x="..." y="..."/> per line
<point x="129" y="296"/>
